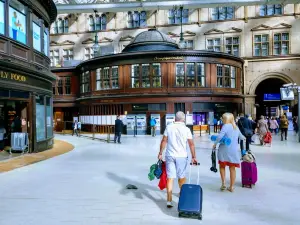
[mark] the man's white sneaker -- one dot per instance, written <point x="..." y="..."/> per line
<point x="169" y="204"/>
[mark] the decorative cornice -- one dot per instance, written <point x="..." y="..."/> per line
<point x="67" y="42"/>
<point x="126" y="38"/>
<point x="88" y="41"/>
<point x="213" y="31"/>
<point x="282" y="26"/>
<point x="233" y="30"/>
<point x="105" y="39"/>
<point x="261" y="27"/>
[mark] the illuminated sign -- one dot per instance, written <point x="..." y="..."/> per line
<point x="12" y="76"/>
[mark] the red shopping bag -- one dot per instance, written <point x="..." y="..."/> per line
<point x="163" y="178"/>
<point x="268" y="138"/>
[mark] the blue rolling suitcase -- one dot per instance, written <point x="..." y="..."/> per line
<point x="190" y="200"/>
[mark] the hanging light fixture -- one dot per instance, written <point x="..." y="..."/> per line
<point x="96" y="45"/>
<point x="182" y="43"/>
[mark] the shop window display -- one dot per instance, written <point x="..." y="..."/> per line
<point x="46" y="42"/>
<point x="2" y="17"/>
<point x="36" y="36"/>
<point x="40" y="119"/>
<point x="17" y="21"/>
<point x="49" y="117"/>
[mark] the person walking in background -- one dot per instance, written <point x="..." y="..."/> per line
<point x="284" y="125"/>
<point x="175" y="140"/>
<point x="262" y="129"/>
<point x="118" y="130"/>
<point x="153" y="126"/>
<point x="295" y="124"/>
<point x="229" y="155"/>
<point x="215" y="125"/>
<point x="75" y="127"/>
<point x="273" y="125"/>
<point x="220" y="123"/>
<point x="2" y="135"/>
<point x="245" y="127"/>
<point x="79" y="128"/>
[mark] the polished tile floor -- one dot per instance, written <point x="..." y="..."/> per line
<point x="87" y="187"/>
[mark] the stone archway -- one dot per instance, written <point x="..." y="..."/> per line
<point x="250" y="91"/>
<point x="257" y="81"/>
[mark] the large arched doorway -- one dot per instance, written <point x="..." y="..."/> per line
<point x="267" y="100"/>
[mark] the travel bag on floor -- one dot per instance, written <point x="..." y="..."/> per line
<point x="249" y="174"/>
<point x="190" y="200"/>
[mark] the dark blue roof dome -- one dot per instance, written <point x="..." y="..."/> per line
<point x="151" y="40"/>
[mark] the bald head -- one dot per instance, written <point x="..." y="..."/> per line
<point x="180" y="116"/>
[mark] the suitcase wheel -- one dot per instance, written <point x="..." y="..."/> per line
<point x="200" y="217"/>
<point x="179" y="214"/>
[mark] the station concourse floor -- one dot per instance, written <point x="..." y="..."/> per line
<point x="87" y="187"/>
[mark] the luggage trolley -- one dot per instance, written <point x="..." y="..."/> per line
<point x="19" y="142"/>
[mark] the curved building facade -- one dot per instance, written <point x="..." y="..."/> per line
<point x="25" y="77"/>
<point x="153" y="76"/>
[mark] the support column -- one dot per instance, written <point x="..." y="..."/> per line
<point x="32" y="114"/>
<point x="250" y="105"/>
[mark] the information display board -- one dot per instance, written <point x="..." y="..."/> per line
<point x="130" y="119"/>
<point x="141" y="121"/>
<point x="170" y="118"/>
<point x="189" y="119"/>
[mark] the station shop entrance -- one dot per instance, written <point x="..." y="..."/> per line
<point x="14" y="114"/>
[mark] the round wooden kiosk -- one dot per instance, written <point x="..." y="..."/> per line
<point x="153" y="76"/>
<point x="25" y="76"/>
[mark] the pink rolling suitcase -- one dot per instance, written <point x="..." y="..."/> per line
<point x="249" y="174"/>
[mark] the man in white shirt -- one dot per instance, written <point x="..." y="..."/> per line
<point x="176" y="137"/>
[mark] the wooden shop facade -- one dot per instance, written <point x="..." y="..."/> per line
<point x="151" y="76"/>
<point x="25" y="77"/>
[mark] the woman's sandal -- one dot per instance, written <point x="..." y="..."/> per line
<point x="230" y="189"/>
<point x="223" y="188"/>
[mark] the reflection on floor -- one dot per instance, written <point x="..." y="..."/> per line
<point x="4" y="155"/>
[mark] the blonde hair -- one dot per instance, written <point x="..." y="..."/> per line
<point x="229" y="118"/>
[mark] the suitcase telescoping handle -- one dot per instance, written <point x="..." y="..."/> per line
<point x="197" y="165"/>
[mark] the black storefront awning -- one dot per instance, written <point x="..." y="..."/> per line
<point x="13" y="94"/>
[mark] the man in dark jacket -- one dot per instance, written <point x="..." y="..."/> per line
<point x="118" y="129"/>
<point x="245" y="126"/>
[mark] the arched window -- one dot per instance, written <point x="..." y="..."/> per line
<point x="54" y="28"/>
<point x="137" y="19"/>
<point x="177" y="16"/>
<point x="270" y="10"/>
<point x="143" y="19"/>
<point x="91" y="23"/>
<point x="98" y="22"/>
<point x="103" y="22"/>
<point x="185" y="16"/>
<point x="60" y="26"/>
<point x="66" y="25"/>
<point x="130" y="20"/>
<point x="171" y="16"/>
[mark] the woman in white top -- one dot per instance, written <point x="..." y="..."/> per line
<point x="273" y="125"/>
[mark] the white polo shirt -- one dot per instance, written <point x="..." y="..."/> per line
<point x="178" y="134"/>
